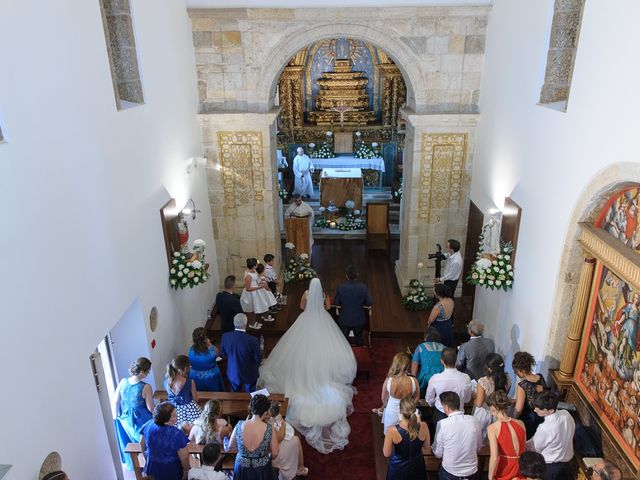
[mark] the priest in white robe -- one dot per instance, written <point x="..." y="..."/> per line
<point x="301" y="209"/>
<point x="302" y="170"/>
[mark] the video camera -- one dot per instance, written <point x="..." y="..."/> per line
<point x="438" y="256"/>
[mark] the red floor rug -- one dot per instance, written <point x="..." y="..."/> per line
<point x="356" y="461"/>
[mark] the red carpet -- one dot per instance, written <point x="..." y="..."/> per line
<point x="356" y="461"/>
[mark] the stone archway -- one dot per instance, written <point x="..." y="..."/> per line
<point x="604" y="184"/>
<point x="404" y="58"/>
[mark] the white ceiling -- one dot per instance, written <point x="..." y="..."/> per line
<point x="326" y="3"/>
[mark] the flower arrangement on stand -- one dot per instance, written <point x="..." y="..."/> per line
<point x="364" y="151"/>
<point x="282" y="193"/>
<point x="188" y="269"/>
<point x="416" y="299"/>
<point x="492" y="270"/>
<point x="325" y="151"/>
<point x="298" y="268"/>
<point x="398" y="193"/>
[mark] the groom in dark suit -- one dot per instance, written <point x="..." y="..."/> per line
<point x="242" y="352"/>
<point x="351" y="297"/>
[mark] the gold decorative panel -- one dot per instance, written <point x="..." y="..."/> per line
<point x="442" y="174"/>
<point x="242" y="164"/>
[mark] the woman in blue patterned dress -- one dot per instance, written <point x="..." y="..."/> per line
<point x="204" y="368"/>
<point x="442" y="314"/>
<point x="181" y="390"/>
<point x="165" y="446"/>
<point x="133" y="404"/>
<point x="256" y="443"/>
<point x="426" y="359"/>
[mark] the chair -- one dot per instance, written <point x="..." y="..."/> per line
<point x="378" y="234"/>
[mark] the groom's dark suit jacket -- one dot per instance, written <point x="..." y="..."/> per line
<point x="352" y="296"/>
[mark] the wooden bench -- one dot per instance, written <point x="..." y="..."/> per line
<point x="134" y="450"/>
<point x="234" y="404"/>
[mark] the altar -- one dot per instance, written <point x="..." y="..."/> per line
<point x="339" y="185"/>
<point x="349" y="161"/>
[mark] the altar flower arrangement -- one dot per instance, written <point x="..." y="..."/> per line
<point x="188" y="269"/>
<point x="299" y="268"/>
<point x="364" y="151"/>
<point x="346" y="223"/>
<point x="416" y="299"/>
<point x="325" y="151"/>
<point x="491" y="270"/>
<point x="282" y="193"/>
<point x="399" y="191"/>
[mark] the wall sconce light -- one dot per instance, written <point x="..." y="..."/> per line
<point x="196" y="162"/>
<point x="190" y="209"/>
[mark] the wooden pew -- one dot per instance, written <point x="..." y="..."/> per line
<point x="134" y="450"/>
<point x="234" y="404"/>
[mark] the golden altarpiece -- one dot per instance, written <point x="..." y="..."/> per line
<point x="600" y="366"/>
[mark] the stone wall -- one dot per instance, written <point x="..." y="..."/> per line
<point x="240" y="54"/>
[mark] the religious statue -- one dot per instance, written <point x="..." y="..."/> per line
<point x="183" y="234"/>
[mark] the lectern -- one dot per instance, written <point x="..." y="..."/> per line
<point x="298" y="233"/>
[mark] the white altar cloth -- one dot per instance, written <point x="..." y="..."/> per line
<point x="342" y="173"/>
<point x="349" y="162"/>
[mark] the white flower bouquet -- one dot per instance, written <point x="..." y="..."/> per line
<point x="188" y="269"/>
<point x="325" y="151"/>
<point x="492" y="271"/>
<point x="416" y="298"/>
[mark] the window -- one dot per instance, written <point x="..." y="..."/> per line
<point x="563" y="44"/>
<point x="121" y="46"/>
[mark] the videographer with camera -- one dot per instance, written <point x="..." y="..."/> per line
<point x="452" y="266"/>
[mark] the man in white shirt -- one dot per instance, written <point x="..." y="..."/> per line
<point x="457" y="441"/>
<point x="210" y="456"/>
<point x="450" y="380"/>
<point x="554" y="437"/>
<point x="452" y="266"/>
<point x="302" y="170"/>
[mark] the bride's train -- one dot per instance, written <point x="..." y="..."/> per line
<point x="314" y="366"/>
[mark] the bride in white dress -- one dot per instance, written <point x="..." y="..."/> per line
<point x="313" y="365"/>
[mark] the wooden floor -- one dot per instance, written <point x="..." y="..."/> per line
<point x="376" y="268"/>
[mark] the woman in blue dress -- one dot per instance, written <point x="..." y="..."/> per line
<point x="165" y="446"/>
<point x="204" y="368"/>
<point x="442" y="314"/>
<point x="406" y="444"/>
<point x="426" y="359"/>
<point x="255" y="442"/>
<point x="181" y="390"/>
<point x="133" y="404"/>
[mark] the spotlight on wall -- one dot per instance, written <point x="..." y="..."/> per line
<point x="196" y="162"/>
<point x="190" y="209"/>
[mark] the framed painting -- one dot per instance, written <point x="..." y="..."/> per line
<point x="608" y="369"/>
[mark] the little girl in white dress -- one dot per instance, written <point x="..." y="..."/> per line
<point x="256" y="296"/>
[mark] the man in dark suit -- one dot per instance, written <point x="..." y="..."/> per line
<point x="351" y="297"/>
<point x="472" y="355"/>
<point x="242" y="352"/>
<point x="228" y="304"/>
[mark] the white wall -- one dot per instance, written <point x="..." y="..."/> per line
<point x="543" y="158"/>
<point x="82" y="185"/>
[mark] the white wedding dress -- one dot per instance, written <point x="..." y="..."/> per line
<point x="314" y="366"/>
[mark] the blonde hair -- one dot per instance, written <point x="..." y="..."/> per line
<point x="401" y="364"/>
<point x="210" y="413"/>
<point x="408" y="412"/>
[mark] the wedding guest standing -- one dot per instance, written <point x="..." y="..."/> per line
<point x="134" y="403"/>
<point x="242" y="352"/>
<point x="496" y="380"/>
<point x="450" y="380"/>
<point x="398" y="386"/>
<point x="554" y="437"/>
<point x="210" y="458"/>
<point x="181" y="391"/>
<point x="472" y="355"/>
<point x="290" y="460"/>
<point x="164" y="445"/>
<point x="441" y="314"/>
<point x="408" y="441"/>
<point x="210" y="426"/>
<point x="351" y="297"/>
<point x="529" y="385"/>
<point x="256" y="297"/>
<point x="256" y="443"/>
<point x="204" y="368"/>
<point x="228" y="304"/>
<point x="426" y="359"/>
<point x="507" y="439"/>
